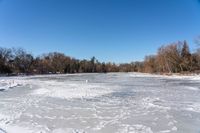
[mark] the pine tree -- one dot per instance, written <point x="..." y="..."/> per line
<point x="186" y="57"/>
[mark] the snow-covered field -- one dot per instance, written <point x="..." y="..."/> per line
<point x="100" y="103"/>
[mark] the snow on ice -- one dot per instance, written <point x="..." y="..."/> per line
<point x="114" y="103"/>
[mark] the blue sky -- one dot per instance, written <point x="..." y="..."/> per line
<point x="111" y="30"/>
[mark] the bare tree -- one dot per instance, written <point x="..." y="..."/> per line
<point x="22" y="61"/>
<point x="5" y="60"/>
<point x="169" y="58"/>
<point x="150" y="65"/>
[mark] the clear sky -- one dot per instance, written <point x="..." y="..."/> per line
<point x="111" y="30"/>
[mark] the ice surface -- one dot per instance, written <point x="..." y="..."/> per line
<point x="71" y="90"/>
<point x="9" y="83"/>
<point x="102" y="103"/>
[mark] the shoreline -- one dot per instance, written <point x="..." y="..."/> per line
<point x="161" y="74"/>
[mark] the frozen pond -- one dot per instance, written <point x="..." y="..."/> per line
<point x="100" y="103"/>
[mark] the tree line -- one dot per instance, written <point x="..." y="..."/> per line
<point x="17" y="61"/>
<point x="171" y="58"/>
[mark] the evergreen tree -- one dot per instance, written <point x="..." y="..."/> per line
<point x="186" y="57"/>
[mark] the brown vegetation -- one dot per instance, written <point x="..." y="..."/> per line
<point x="172" y="58"/>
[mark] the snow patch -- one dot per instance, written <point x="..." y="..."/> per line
<point x="135" y="129"/>
<point x="67" y="130"/>
<point x="150" y="103"/>
<point x="191" y="88"/>
<point x="195" y="107"/>
<point x="6" y="84"/>
<point x="69" y="91"/>
<point x="6" y="127"/>
<point x="194" y="77"/>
